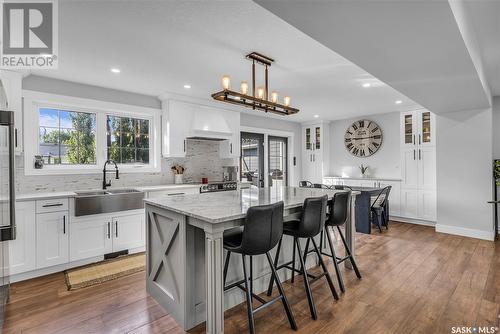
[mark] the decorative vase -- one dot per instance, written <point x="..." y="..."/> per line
<point x="178" y="178"/>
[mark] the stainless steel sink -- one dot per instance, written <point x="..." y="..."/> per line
<point x="106" y="201"/>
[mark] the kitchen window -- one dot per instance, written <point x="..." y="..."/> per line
<point x="67" y="137"/>
<point x="76" y="136"/>
<point x="127" y="140"/>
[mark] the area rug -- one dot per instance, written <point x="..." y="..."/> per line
<point x="103" y="271"/>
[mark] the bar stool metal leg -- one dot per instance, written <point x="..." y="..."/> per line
<point x="327" y="274"/>
<point x="251" y="322"/>
<point x="284" y="300"/>
<point x="226" y="266"/>
<point x="293" y="260"/>
<point x="276" y="259"/>
<point x="310" y="299"/>
<point x="334" y="258"/>
<point x="348" y="251"/>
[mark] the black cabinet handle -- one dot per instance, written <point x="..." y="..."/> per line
<point x="414" y="157"/>
<point x="15" y="137"/>
<point x="173" y="194"/>
<point x="231" y="148"/>
<point x="413" y="139"/>
<point x="419" y="155"/>
<point x="184" y="145"/>
<point x="64" y="224"/>
<point x="109" y="230"/>
<point x="51" y="205"/>
<point x="419" y="139"/>
<point x="116" y="228"/>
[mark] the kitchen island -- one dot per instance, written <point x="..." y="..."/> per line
<point x="184" y="253"/>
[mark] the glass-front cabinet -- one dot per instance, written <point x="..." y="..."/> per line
<point x="418" y="128"/>
<point x="312" y="137"/>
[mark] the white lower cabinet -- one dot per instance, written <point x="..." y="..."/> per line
<point x="22" y="250"/>
<point x="90" y="237"/>
<point x="427" y="205"/>
<point x="128" y="232"/>
<point x="99" y="235"/>
<point x="52" y="239"/>
<point x="409" y="203"/>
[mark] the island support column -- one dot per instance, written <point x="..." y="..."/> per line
<point x="214" y="281"/>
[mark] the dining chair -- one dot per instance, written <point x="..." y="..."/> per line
<point x="378" y="209"/>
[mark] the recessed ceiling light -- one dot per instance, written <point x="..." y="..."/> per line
<point x="187" y="86"/>
<point x="316" y="116"/>
<point x="367" y="84"/>
<point x="115" y="70"/>
<point x="399" y="102"/>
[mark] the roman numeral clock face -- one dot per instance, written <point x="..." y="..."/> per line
<point x="363" y="138"/>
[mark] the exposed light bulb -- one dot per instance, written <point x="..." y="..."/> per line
<point x="274" y="97"/>
<point x="399" y="102"/>
<point x="226" y="81"/>
<point x="286" y="101"/>
<point x="244" y="88"/>
<point x="366" y="85"/>
<point x="260" y="93"/>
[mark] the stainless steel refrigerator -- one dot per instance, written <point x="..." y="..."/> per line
<point x="7" y="198"/>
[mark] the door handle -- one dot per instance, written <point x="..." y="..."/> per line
<point x="116" y="228"/>
<point x="109" y="230"/>
<point x="64" y="224"/>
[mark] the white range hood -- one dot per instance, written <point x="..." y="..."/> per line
<point x="208" y="123"/>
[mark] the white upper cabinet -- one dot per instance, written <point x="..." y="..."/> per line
<point x="176" y="122"/>
<point x="182" y="120"/>
<point x="12" y="83"/>
<point x="314" y="152"/>
<point x="418" y="128"/>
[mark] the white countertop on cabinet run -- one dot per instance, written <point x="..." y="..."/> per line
<point x="362" y="178"/>
<point x="63" y="194"/>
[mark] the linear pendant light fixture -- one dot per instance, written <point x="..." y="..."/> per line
<point x="260" y="98"/>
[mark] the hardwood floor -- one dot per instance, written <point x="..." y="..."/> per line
<point x="414" y="281"/>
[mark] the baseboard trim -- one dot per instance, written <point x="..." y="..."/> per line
<point x="412" y="221"/>
<point x="465" y="232"/>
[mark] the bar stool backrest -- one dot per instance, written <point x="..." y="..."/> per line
<point x="313" y="216"/>
<point x="263" y="228"/>
<point x="340" y="208"/>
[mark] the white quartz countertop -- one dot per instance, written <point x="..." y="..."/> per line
<point x="167" y="187"/>
<point x="363" y="178"/>
<point x="231" y="205"/>
<point x="62" y="194"/>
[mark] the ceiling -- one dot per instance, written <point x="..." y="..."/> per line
<point x="414" y="46"/>
<point x="161" y="45"/>
<point x="485" y="18"/>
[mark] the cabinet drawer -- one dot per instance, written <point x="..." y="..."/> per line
<point x="52" y="205"/>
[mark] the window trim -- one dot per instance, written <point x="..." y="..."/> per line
<point x="35" y="100"/>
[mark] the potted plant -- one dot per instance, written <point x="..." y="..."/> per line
<point x="178" y="171"/>
<point x="363" y="170"/>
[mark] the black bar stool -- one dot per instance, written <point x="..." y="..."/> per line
<point x="310" y="225"/>
<point x="262" y="230"/>
<point x="340" y="208"/>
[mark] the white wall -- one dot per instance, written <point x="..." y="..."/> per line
<point x="255" y="121"/>
<point x="464" y="155"/>
<point x="385" y="163"/>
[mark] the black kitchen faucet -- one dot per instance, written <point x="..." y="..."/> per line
<point x="104" y="171"/>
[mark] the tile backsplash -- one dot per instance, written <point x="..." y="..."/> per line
<point x="202" y="160"/>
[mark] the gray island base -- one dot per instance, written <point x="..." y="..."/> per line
<point x="184" y="253"/>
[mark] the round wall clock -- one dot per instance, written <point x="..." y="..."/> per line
<point x="363" y="138"/>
